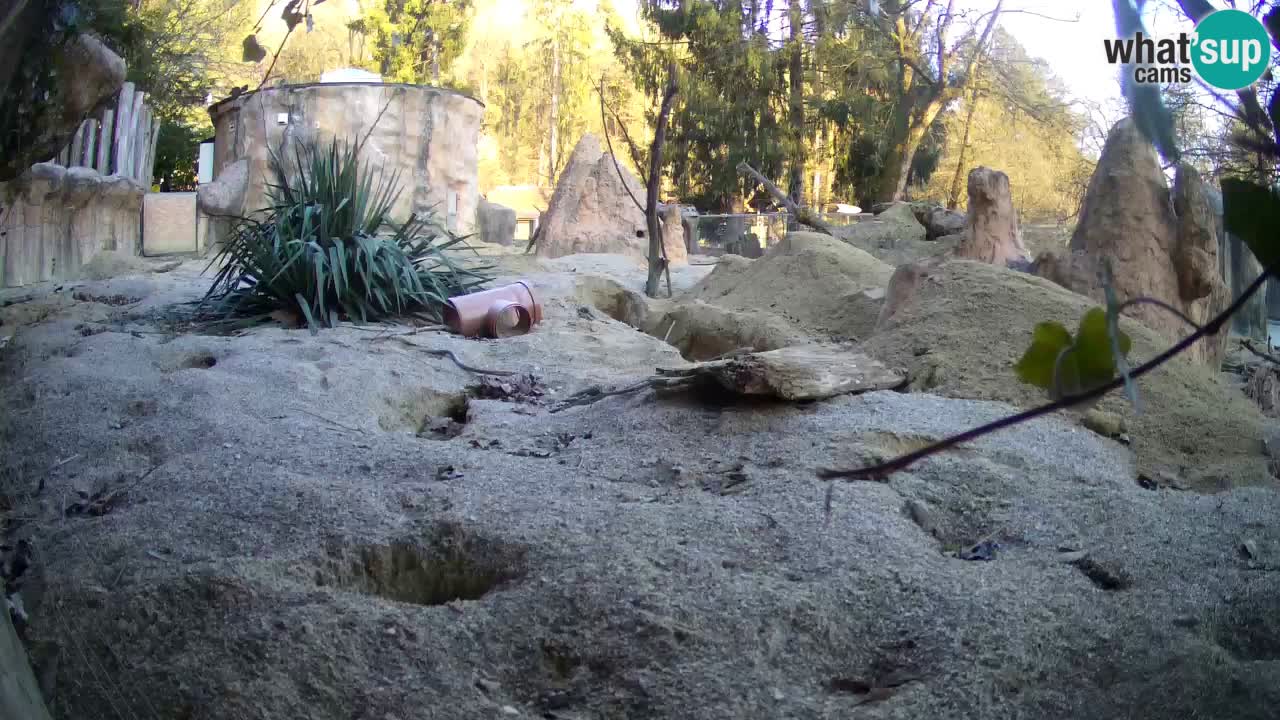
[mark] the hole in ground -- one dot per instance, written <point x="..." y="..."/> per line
<point x="423" y="410"/>
<point x="1250" y="628"/>
<point x="449" y="563"/>
<point x="447" y="426"/>
<point x="200" y="362"/>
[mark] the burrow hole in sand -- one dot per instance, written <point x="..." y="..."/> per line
<point x="427" y="413"/>
<point x="202" y="361"/>
<point x="449" y="563"/>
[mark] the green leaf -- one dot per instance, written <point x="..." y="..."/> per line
<point x="1252" y="213"/>
<point x="1064" y="365"/>
<point x="1037" y="364"/>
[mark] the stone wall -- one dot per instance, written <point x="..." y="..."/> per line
<point x="55" y="219"/>
<point x="427" y="135"/>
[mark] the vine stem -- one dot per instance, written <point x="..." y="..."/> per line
<point x="883" y="470"/>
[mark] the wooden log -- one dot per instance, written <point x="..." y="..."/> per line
<point x="151" y="151"/>
<point x="135" y="134"/>
<point x="142" y="132"/>
<point x="124" y="115"/>
<point x="90" y="143"/>
<point x="77" y="145"/>
<point x="105" y="142"/>
<point x="803" y="215"/>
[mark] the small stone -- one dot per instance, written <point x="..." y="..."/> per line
<point x="777" y="694"/>
<point x="1249" y="549"/>
<point x="921" y="515"/>
<point x="1106" y="424"/>
<point x="508" y="710"/>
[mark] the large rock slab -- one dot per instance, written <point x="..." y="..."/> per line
<point x="1161" y="245"/>
<point x="87" y="73"/>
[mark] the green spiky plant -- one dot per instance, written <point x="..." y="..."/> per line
<point x="325" y="249"/>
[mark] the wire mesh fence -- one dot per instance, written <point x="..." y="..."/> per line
<point x="746" y="234"/>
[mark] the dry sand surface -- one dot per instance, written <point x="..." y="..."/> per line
<point x="341" y="526"/>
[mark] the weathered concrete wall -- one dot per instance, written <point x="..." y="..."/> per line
<point x="55" y="219"/>
<point x="169" y="223"/>
<point x="427" y="135"/>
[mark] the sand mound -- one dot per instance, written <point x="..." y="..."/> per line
<point x="820" y="284"/>
<point x="965" y="327"/>
<point x="111" y="263"/>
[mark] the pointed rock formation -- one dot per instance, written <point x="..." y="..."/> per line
<point x="1161" y="244"/>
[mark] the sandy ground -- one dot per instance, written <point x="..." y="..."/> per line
<point x="282" y="525"/>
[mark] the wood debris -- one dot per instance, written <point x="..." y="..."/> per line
<point x="802" y="372"/>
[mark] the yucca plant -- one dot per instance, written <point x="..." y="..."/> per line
<point x="325" y="249"/>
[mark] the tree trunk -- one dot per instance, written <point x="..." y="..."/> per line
<point x="907" y="136"/>
<point x="953" y="202"/>
<point x="657" y="251"/>
<point x="803" y="215"/>
<point x="796" y="105"/>
<point x="555" y="109"/>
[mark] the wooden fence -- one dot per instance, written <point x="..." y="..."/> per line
<point x="123" y="142"/>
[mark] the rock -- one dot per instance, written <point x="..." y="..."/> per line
<point x="1159" y="247"/>
<point x="1106" y="424"/>
<point x="591" y="210"/>
<point x="977" y="320"/>
<point x="495" y="223"/>
<point x="1238" y="268"/>
<point x="940" y="222"/>
<point x="991" y="234"/>
<point x="226" y="194"/>
<point x="88" y="73"/>
<point x="673" y="240"/>
<point x="428" y="136"/>
<point x="894" y="236"/>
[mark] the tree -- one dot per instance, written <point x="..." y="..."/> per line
<point x="1013" y="103"/>
<point x="415" y="41"/>
<point x="928" y="72"/>
<point x="732" y="102"/>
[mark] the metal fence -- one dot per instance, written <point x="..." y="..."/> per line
<point x="716" y="234"/>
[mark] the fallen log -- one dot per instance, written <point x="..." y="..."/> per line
<point x="801" y="372"/>
<point x="803" y="215"/>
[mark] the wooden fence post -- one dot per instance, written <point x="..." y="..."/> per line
<point x="105" y="144"/>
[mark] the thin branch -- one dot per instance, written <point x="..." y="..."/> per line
<point x="604" y="125"/>
<point x="1248" y="345"/>
<point x="904" y="461"/>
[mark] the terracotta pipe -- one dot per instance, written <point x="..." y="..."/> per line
<point x="507" y="318"/>
<point x="470" y="315"/>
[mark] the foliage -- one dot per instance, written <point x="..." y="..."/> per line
<point x="320" y="251"/>
<point x="29" y="76"/>
<point x="413" y="41"/>
<point x="1014" y="103"/>
<point x="177" y="149"/>
<point x="1064" y="365"/>
<point x="731" y="107"/>
<point x="178" y="52"/>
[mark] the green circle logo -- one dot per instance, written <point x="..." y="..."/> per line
<point x="1232" y="49"/>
